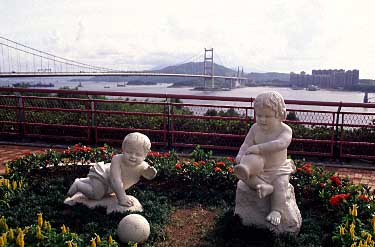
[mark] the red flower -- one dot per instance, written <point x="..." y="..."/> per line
<point x="336" y="180"/>
<point x="154" y="154"/>
<point x="166" y="155"/>
<point x="299" y="169"/>
<point x="230" y="170"/>
<point x="322" y="185"/>
<point x="336" y="199"/>
<point x="178" y="166"/>
<point x="195" y="164"/>
<point x="220" y="163"/>
<point x="363" y="198"/>
<point x="202" y="162"/>
<point x="217" y="169"/>
<point x="102" y="148"/>
<point x="231" y="159"/>
<point x="67" y="151"/>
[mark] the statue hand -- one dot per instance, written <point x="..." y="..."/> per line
<point x="253" y="150"/>
<point x="150" y="172"/>
<point x="127" y="202"/>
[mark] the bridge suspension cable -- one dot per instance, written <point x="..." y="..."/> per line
<point x="48" y="62"/>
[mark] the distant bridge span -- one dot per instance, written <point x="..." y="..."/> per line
<point x="65" y="74"/>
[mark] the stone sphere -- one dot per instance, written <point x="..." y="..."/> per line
<point x="133" y="227"/>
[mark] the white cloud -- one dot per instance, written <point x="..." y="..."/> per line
<point x="273" y="35"/>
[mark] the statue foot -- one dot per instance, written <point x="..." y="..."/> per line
<point x="264" y="190"/>
<point x="274" y="217"/>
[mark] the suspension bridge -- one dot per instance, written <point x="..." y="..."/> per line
<point x="19" y="60"/>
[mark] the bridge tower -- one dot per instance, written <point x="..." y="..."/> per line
<point x="208" y="68"/>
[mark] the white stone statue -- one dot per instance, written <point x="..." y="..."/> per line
<point x="264" y="170"/>
<point x="124" y="171"/>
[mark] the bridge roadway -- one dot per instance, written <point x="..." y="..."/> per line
<point x="119" y="73"/>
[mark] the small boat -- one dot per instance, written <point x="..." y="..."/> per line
<point x="312" y="88"/>
<point x="122" y="84"/>
<point x="106" y="86"/>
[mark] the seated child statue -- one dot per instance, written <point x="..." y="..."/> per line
<point x="262" y="159"/>
<point x="124" y="171"/>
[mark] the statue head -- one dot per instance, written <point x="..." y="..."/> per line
<point x="272" y="100"/>
<point x="137" y="138"/>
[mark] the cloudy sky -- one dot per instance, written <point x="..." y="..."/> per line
<point x="270" y="35"/>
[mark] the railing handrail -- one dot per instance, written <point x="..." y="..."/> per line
<point x="182" y="96"/>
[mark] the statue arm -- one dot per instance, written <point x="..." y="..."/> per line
<point x="116" y="180"/>
<point x="249" y="141"/>
<point x="279" y="144"/>
<point x="149" y="172"/>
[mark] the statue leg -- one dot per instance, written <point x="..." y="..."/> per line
<point x="278" y="199"/>
<point x="90" y="187"/>
<point x="263" y="189"/>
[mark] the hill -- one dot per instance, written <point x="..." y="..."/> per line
<point x="190" y="68"/>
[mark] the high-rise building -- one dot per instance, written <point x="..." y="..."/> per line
<point x="332" y="78"/>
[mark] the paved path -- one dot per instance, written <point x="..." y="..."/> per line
<point x="356" y="175"/>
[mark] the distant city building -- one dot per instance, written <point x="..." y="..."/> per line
<point x="331" y="78"/>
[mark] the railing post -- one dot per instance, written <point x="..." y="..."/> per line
<point x="336" y="153"/>
<point x="21" y="114"/>
<point x="168" y="125"/>
<point x="92" y="123"/>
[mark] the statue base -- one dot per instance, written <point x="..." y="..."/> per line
<point x="109" y="202"/>
<point x="253" y="211"/>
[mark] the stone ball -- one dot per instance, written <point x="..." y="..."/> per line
<point x="133" y="227"/>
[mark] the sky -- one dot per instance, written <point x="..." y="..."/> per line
<point x="259" y="36"/>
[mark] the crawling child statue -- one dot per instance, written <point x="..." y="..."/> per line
<point x="124" y="171"/>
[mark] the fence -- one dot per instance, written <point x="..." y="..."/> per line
<point x="329" y="129"/>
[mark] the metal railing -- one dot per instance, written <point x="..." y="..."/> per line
<point x="329" y="129"/>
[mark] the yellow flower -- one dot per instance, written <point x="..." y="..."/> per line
<point x="39" y="234"/>
<point x="2" y="244"/>
<point x="135" y="245"/>
<point x="7" y="170"/>
<point x="48" y="227"/>
<point x="354" y="210"/>
<point x="4" y="237"/>
<point x="11" y="234"/>
<point x="70" y="243"/>
<point x="93" y="242"/>
<point x="369" y="238"/>
<point x="14" y="185"/>
<point x="98" y="240"/>
<point x="352" y="233"/>
<point x="20" y="238"/>
<point x="342" y="230"/>
<point x="63" y="229"/>
<point x="40" y="219"/>
<point x="110" y="240"/>
<point x="20" y="184"/>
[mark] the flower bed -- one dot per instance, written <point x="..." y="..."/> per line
<point x="32" y="213"/>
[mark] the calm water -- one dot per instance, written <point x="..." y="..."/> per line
<point x="287" y="93"/>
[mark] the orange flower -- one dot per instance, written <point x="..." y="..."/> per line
<point x="220" y="163"/>
<point x="230" y="170"/>
<point x="217" y="169"/>
<point x="178" y="166"/>
<point x="195" y="164"/>
<point x="202" y="162"/>
<point x="102" y="148"/>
